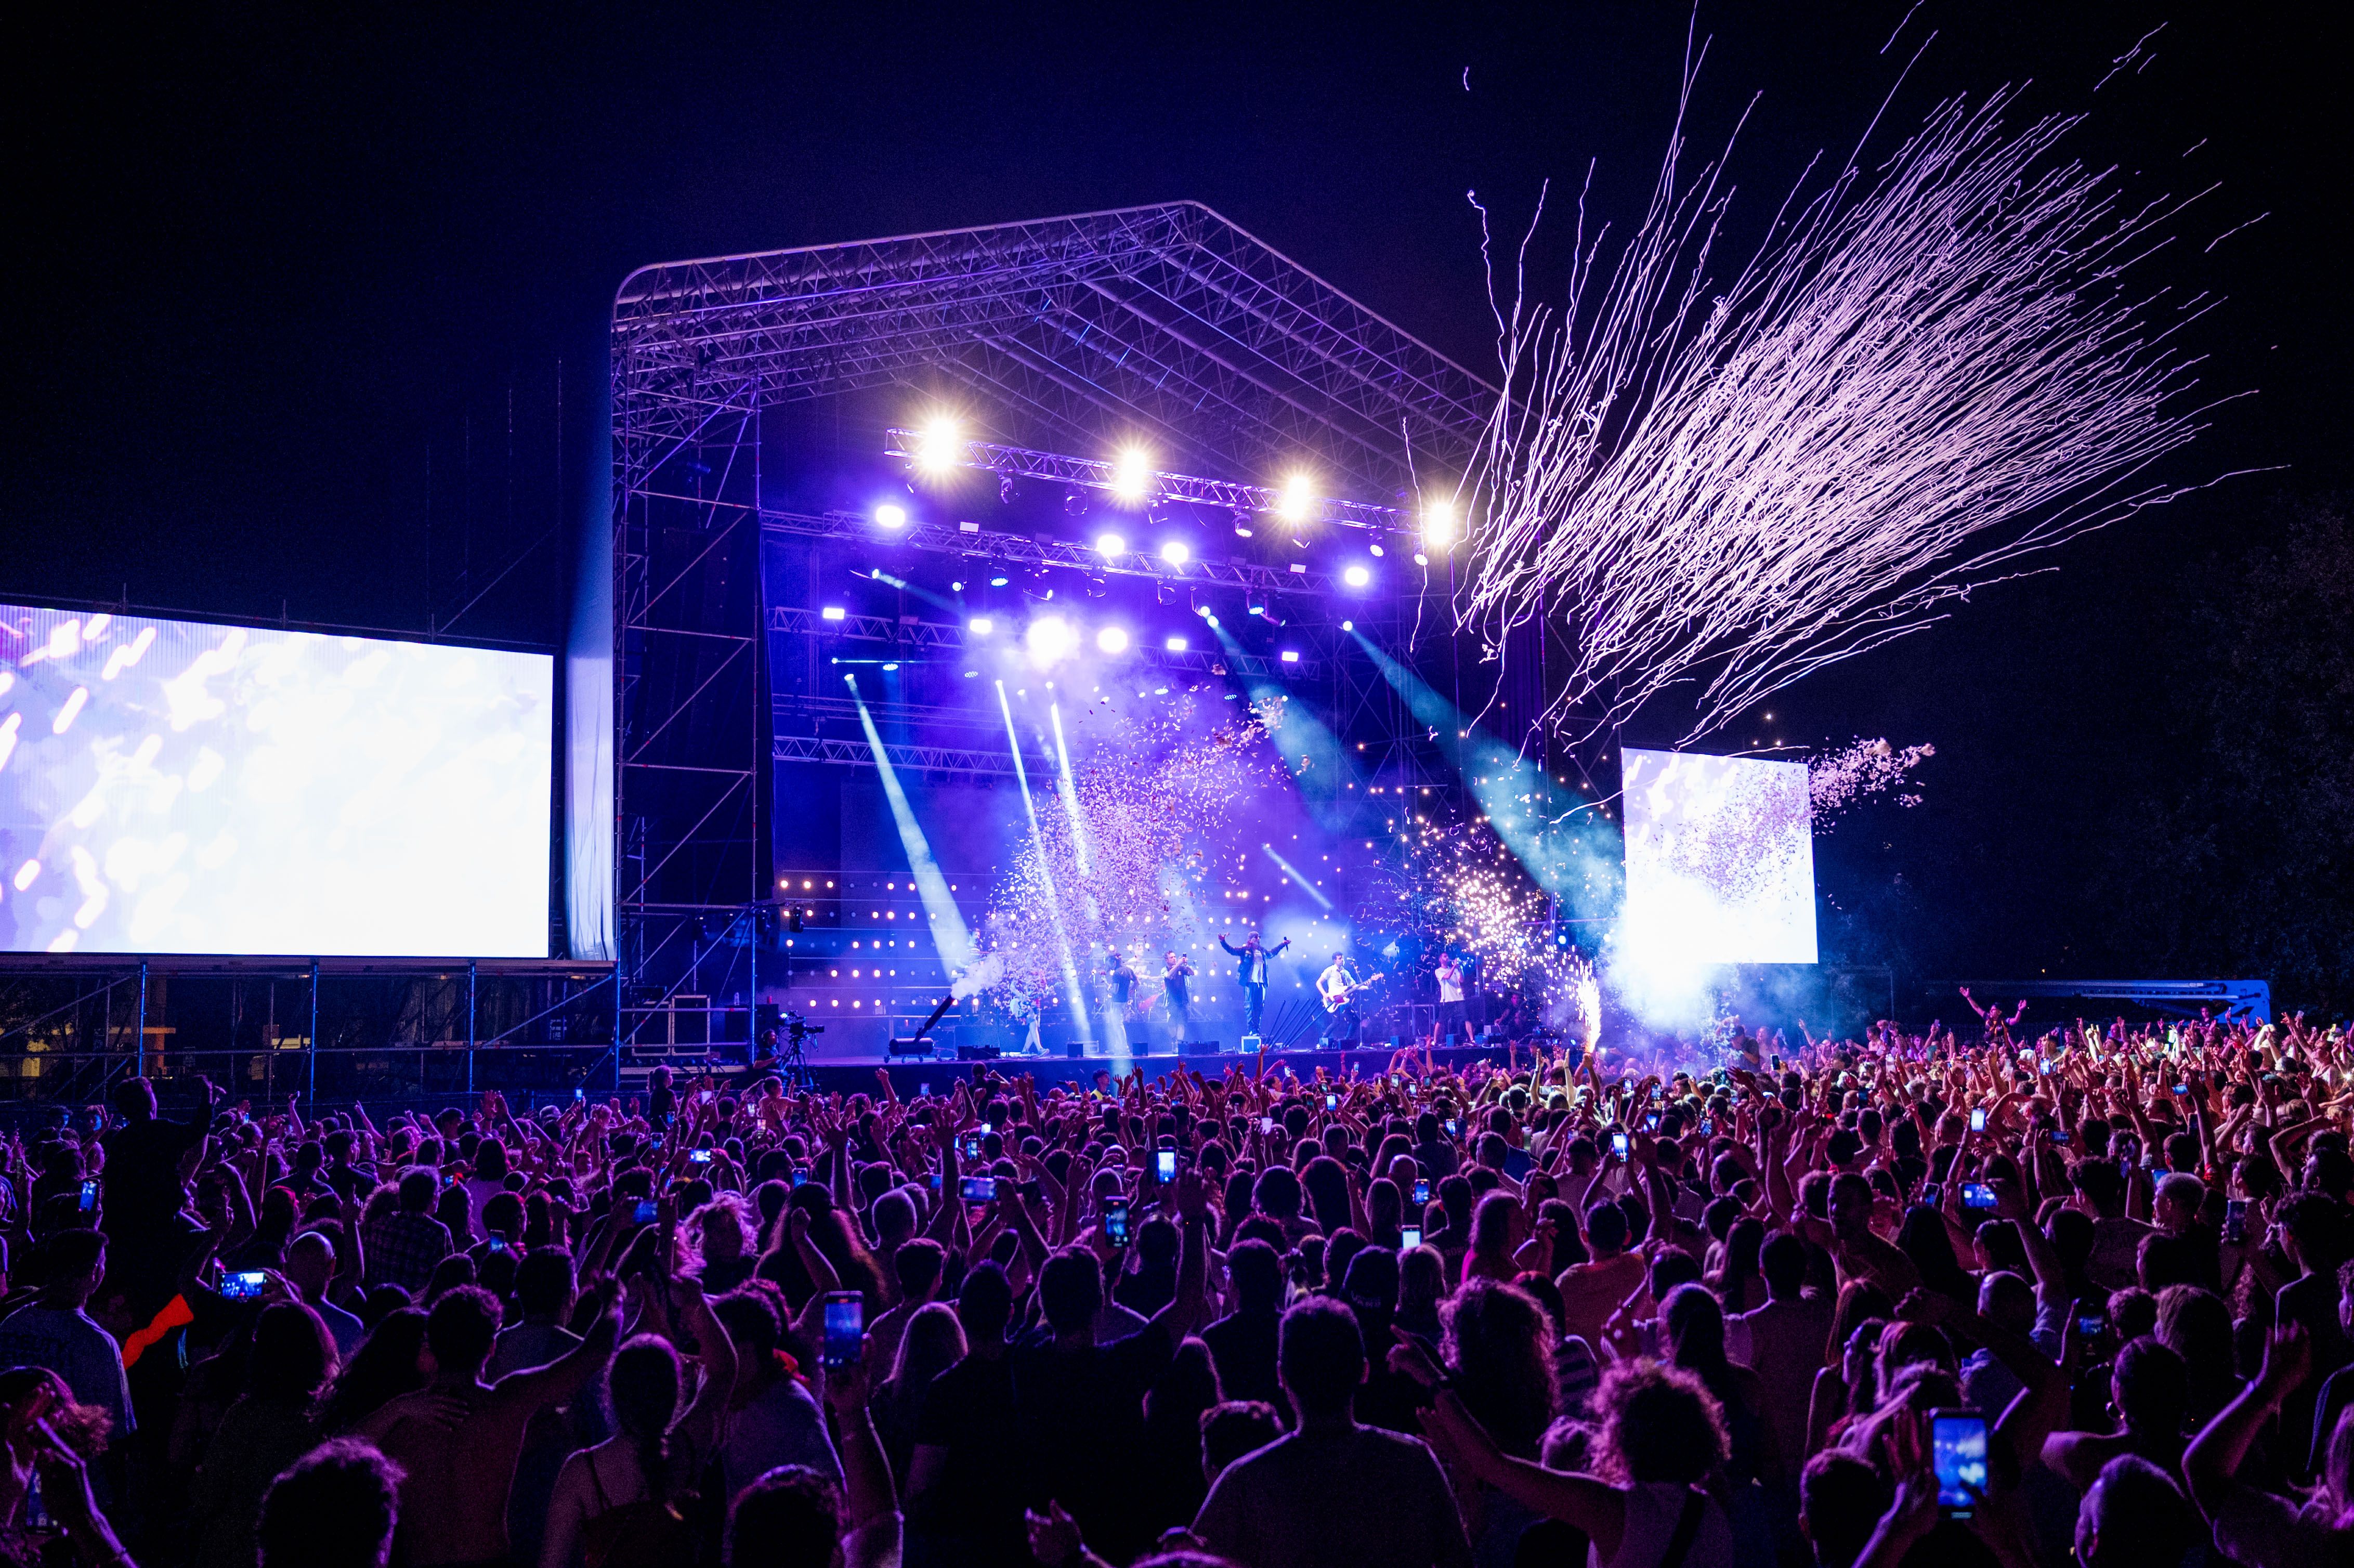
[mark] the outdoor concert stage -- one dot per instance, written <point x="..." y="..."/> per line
<point x="912" y="1076"/>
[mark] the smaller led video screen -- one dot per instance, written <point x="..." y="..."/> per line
<point x="174" y="787"/>
<point x="1720" y="857"/>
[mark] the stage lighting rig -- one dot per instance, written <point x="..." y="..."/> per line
<point x="1132" y="475"/>
<point x="940" y="447"/>
<point x="1176" y="552"/>
<point x="1110" y="545"/>
<point x="1297" y="499"/>
<point x="1051" y="639"/>
<point x="1356" y="577"/>
<point x="1438" y="524"/>
<point x="891" y="515"/>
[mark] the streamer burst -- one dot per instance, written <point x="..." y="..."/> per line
<point x="1927" y="372"/>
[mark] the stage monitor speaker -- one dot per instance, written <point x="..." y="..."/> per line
<point x="1074" y="1048"/>
<point x="910" y="1048"/>
<point x="977" y="1053"/>
<point x="1248" y="1043"/>
<point x="1197" y="1048"/>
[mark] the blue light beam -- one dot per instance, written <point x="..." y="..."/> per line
<point x="1578" y="862"/>
<point x="951" y="940"/>
<point x="1293" y="872"/>
<point x="1046" y="872"/>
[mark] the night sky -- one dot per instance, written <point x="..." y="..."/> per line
<point x="299" y="290"/>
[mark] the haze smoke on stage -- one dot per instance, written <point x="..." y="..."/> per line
<point x="1567" y="847"/>
<point x="1307" y="746"/>
<point x="982" y="973"/>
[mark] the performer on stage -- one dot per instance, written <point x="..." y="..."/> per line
<point x="1252" y="974"/>
<point x="1338" y="986"/>
<point x="1450" y="999"/>
<point x="1120" y="982"/>
<point x="1179" y="968"/>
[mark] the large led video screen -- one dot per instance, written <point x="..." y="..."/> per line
<point x="173" y="786"/>
<point x="1719" y="857"/>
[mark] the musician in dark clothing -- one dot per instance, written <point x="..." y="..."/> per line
<point x="1251" y="972"/>
<point x="1174" y="983"/>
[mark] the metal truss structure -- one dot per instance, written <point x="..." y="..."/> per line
<point x="1162" y="326"/>
<point x="1027" y="550"/>
<point x="916" y="637"/>
<point x="1166" y="324"/>
<point x="1143" y="486"/>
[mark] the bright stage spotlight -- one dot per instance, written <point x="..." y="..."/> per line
<point x="1298" y="497"/>
<point x="1112" y="640"/>
<point x="891" y="515"/>
<point x="982" y="626"/>
<point x="832" y="612"/>
<point x="1356" y="577"/>
<point x="1176" y="552"/>
<point x="1438" y="524"/>
<point x="941" y="446"/>
<point x="1176" y="645"/>
<point x="1291" y="655"/>
<point x="1110" y="545"/>
<point x="1132" y="474"/>
<point x="1051" y="639"/>
<point x="997" y="582"/>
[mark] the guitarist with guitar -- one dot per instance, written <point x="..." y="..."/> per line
<point x="1339" y="988"/>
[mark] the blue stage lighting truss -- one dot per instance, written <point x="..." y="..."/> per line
<point x="1106" y="475"/>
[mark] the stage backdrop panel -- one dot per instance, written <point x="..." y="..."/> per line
<point x="172" y="787"/>
<point x="1719" y="857"/>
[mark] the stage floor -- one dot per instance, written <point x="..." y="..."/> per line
<point x="914" y="1076"/>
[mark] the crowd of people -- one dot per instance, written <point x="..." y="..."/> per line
<point x="1911" y="1300"/>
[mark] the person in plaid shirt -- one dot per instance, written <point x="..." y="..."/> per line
<point x="403" y="1247"/>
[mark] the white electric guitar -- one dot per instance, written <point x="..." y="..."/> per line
<point x="1346" y="997"/>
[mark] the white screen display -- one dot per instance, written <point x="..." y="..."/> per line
<point x="1719" y="857"/>
<point x="171" y="787"/>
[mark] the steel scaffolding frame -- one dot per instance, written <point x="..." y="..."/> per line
<point x="1106" y="475"/>
<point x="1165" y="324"/>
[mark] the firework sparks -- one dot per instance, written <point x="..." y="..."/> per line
<point x="1458" y="885"/>
<point x="1926" y="372"/>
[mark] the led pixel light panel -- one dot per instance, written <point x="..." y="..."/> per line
<point x="1719" y="858"/>
<point x="176" y="787"/>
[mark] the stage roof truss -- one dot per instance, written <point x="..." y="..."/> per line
<point x="1260" y="502"/>
<point x="1028" y="550"/>
<point x="1163" y="321"/>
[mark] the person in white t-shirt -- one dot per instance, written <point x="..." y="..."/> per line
<point x="1451" y="999"/>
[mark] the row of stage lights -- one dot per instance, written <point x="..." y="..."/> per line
<point x="940" y="447"/>
<point x="1050" y="638"/>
